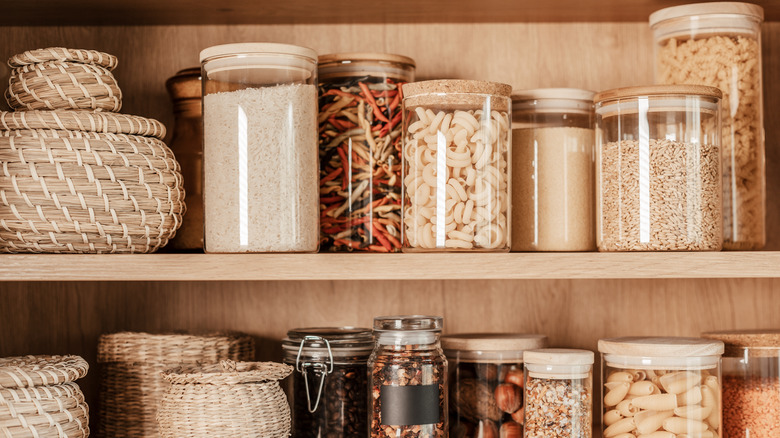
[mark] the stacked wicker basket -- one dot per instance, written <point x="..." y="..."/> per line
<point x="39" y="397"/>
<point x="77" y="177"/>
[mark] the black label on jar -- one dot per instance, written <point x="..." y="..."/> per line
<point x="410" y="405"/>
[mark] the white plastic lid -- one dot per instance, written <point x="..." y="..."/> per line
<point x="661" y="353"/>
<point x="738" y="9"/>
<point x="257" y="48"/>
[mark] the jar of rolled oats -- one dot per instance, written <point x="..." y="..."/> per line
<point x="719" y="45"/>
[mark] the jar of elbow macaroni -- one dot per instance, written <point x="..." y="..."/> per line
<point x="661" y="387"/>
<point x="719" y="45"/>
<point x="456" y="177"/>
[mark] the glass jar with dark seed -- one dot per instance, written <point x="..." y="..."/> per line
<point x="329" y="388"/>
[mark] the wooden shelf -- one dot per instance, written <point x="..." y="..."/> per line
<point x="433" y="266"/>
<point x="148" y="12"/>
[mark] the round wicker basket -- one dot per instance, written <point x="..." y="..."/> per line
<point x="131" y="373"/>
<point x="60" y="78"/>
<point x="112" y="190"/>
<point x="226" y="400"/>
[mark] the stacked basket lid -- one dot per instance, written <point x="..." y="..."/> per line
<point x="40" y="398"/>
<point x="132" y="363"/>
<point x="77" y="177"/>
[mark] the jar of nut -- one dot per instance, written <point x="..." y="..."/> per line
<point x="408" y="378"/>
<point x="486" y="383"/>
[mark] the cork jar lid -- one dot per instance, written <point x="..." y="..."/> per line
<point x="740" y="9"/>
<point x="493" y="342"/>
<point x="661" y="347"/>
<point x="757" y="343"/>
<point x="456" y="86"/>
<point x="657" y="90"/>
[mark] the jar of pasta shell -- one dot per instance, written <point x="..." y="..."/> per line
<point x="751" y="382"/>
<point x="456" y="155"/>
<point x="486" y="382"/>
<point x="662" y="386"/>
<point x="719" y="45"/>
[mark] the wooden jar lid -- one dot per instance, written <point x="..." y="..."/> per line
<point x="493" y="342"/>
<point x="713" y="8"/>
<point x="332" y="58"/>
<point x="558" y="356"/>
<point x="758" y="343"/>
<point x="658" y="90"/>
<point x="660" y="347"/>
<point x="185" y="84"/>
<point x="553" y="93"/>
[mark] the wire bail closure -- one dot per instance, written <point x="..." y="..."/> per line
<point x="320" y="369"/>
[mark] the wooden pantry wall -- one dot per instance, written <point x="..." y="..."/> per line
<point x="62" y="317"/>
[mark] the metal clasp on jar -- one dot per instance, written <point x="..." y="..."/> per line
<point x="320" y="369"/>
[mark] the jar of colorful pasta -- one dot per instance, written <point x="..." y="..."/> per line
<point x="360" y="150"/>
<point x="408" y="378"/>
<point x="456" y="180"/>
<point x="661" y="387"/>
<point x="719" y="44"/>
<point x="558" y="393"/>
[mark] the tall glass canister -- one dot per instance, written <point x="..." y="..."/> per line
<point x="408" y="378"/>
<point x="260" y="148"/>
<point x="719" y="45"/>
<point x="360" y="150"/>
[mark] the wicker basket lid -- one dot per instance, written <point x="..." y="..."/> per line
<point x="82" y="120"/>
<point x="30" y="371"/>
<point x="64" y="54"/>
<point x="174" y="349"/>
<point x="228" y="372"/>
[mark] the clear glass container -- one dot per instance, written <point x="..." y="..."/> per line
<point x="658" y="174"/>
<point x="558" y="393"/>
<point x="663" y="386"/>
<point x="360" y="150"/>
<point x="751" y="383"/>
<point x="719" y="44"/>
<point x="329" y="388"/>
<point x="408" y="378"/>
<point x="486" y="383"/>
<point x="456" y="177"/>
<point x="553" y="161"/>
<point x="261" y="184"/>
<point x="186" y="143"/>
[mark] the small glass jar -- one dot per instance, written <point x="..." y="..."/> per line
<point x="360" y="150"/>
<point x="719" y="44"/>
<point x="558" y="393"/>
<point x="408" y="378"/>
<point x="669" y="385"/>
<point x="261" y="185"/>
<point x="751" y="383"/>
<point x="553" y="161"/>
<point x="486" y="383"/>
<point x="329" y="388"/>
<point x="658" y="175"/>
<point x="456" y="152"/>
<point x="186" y="143"/>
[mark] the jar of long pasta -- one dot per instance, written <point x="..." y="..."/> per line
<point x="456" y="179"/>
<point x="661" y="387"/>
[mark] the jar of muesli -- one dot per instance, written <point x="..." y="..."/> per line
<point x="408" y="378"/>
<point x="558" y="393"/>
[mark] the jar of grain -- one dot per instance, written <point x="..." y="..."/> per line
<point x="261" y="185"/>
<point x="360" y="150"/>
<point x="661" y="387"/>
<point x="456" y="176"/>
<point x="719" y="44"/>
<point x="751" y="382"/>
<point x="658" y="175"/>
<point x="552" y="170"/>
<point x="558" y="393"/>
<point x="486" y="382"/>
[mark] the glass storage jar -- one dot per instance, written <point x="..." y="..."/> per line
<point x="261" y="191"/>
<point x="719" y="44"/>
<point x="408" y="378"/>
<point x="663" y="386"/>
<point x="553" y="161"/>
<point x="751" y="383"/>
<point x="558" y="393"/>
<point x="456" y="178"/>
<point x="329" y="388"/>
<point x="486" y="382"/>
<point x="186" y="143"/>
<point x="658" y="183"/>
<point x="360" y="150"/>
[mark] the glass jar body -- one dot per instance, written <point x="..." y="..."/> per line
<point x="751" y="394"/>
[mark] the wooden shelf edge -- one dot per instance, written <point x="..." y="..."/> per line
<point x="431" y="266"/>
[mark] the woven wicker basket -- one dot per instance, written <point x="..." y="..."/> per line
<point x="227" y="400"/>
<point x="60" y="78"/>
<point x="111" y="187"/>
<point x="131" y="380"/>
<point x="39" y="398"/>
